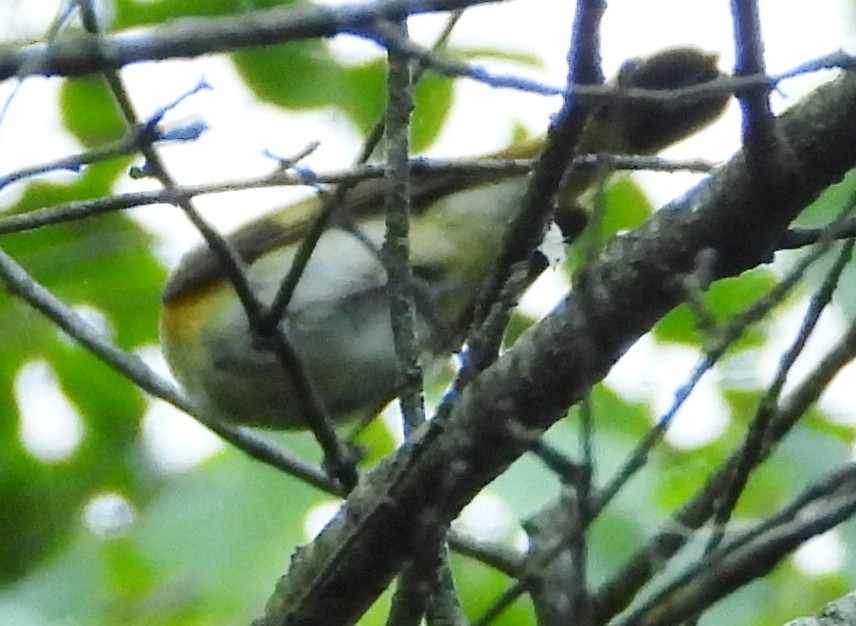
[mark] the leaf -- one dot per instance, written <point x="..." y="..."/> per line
<point x="518" y="323"/>
<point x="724" y="299"/>
<point x="364" y="92"/>
<point x="625" y="206"/>
<point x="130" y="13"/>
<point x="106" y="264"/>
<point x="300" y="75"/>
<point x="525" y="59"/>
<point x="480" y="586"/>
<point x="303" y="75"/>
<point x="90" y="112"/>
<point x="433" y="99"/>
<point x="377" y="441"/>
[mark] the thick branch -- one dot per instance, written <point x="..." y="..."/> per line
<point x="634" y="283"/>
<point x="192" y="37"/>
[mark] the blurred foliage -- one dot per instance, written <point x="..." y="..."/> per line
<point x="131" y="13"/>
<point x="85" y="263"/>
<point x="206" y="546"/>
<point x="622" y="205"/>
<point x="89" y="111"/>
<point x="725" y="299"/>
<point x="828" y="207"/>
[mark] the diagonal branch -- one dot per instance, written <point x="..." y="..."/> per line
<point x="21" y="284"/>
<point x="634" y="282"/>
<point x="752" y="555"/>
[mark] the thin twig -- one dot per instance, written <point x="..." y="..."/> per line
<point x="19" y="283"/>
<point x="336" y="458"/>
<point x="81" y="209"/>
<point x="60" y="21"/>
<point x="617" y="593"/>
<point x="823" y="506"/>
<point x="396" y="247"/>
<point x="760" y="423"/>
<point x="529" y="227"/>
<point x="759" y="137"/>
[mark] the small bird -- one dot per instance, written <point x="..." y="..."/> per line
<point x="338" y="319"/>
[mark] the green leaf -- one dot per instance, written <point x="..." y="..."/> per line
<point x="525" y="59"/>
<point x="300" y="75"/>
<point x="364" y="94"/>
<point x="303" y="75"/>
<point x="365" y="103"/>
<point x="130" y="13"/>
<point x="377" y="441"/>
<point x="89" y="111"/>
<point x="517" y="325"/>
<point x="433" y="100"/>
<point x="106" y="264"/>
<point x="829" y="204"/>
<point x="724" y="299"/>
<point x="481" y="586"/>
<point x="625" y="206"/>
<point x="832" y="203"/>
<point x="778" y="602"/>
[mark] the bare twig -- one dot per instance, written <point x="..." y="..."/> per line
<point x="758" y="430"/>
<point x="396" y="247"/>
<point x="19" y="283"/>
<point x="823" y="506"/>
<point x="617" y="593"/>
<point x="81" y="209"/>
<point x="530" y="226"/>
<point x="336" y="458"/>
<point x="60" y="21"/>
<point x="758" y="123"/>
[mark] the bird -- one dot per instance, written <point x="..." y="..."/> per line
<point x="338" y="320"/>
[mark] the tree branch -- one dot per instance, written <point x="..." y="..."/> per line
<point x="21" y="284"/>
<point x="751" y="555"/>
<point x="193" y="37"/>
<point x="634" y="282"/>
